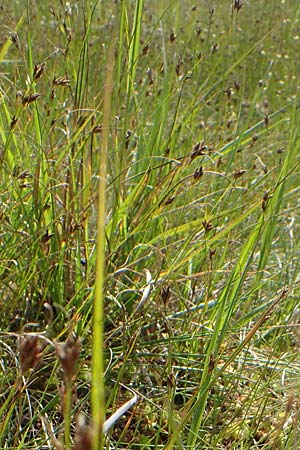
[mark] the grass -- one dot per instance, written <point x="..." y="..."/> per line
<point x="149" y="225"/>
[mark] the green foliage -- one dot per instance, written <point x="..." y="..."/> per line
<point x="149" y="166"/>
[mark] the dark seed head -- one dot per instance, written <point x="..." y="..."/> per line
<point x="38" y="70"/>
<point x="26" y="100"/>
<point x="207" y="225"/>
<point x="198" y="173"/>
<point x="198" y="150"/>
<point x="68" y="354"/>
<point x="30" y="352"/>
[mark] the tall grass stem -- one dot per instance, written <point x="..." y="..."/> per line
<point x="98" y="397"/>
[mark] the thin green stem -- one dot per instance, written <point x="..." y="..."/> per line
<point x="98" y="397"/>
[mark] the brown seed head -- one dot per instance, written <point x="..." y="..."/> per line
<point x="61" y="81"/>
<point x="237" y="5"/>
<point x="27" y="99"/>
<point x="30" y="352"/>
<point x="172" y="36"/>
<point x="13" y="122"/>
<point x="68" y="354"/>
<point x="38" y="70"/>
<point x="238" y="173"/>
<point x="198" y="150"/>
<point x="165" y="293"/>
<point x="198" y="173"/>
<point x="207" y="225"/>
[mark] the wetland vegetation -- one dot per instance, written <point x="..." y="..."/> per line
<point x="149" y="211"/>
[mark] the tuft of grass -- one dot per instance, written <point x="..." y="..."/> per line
<point x="149" y="225"/>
